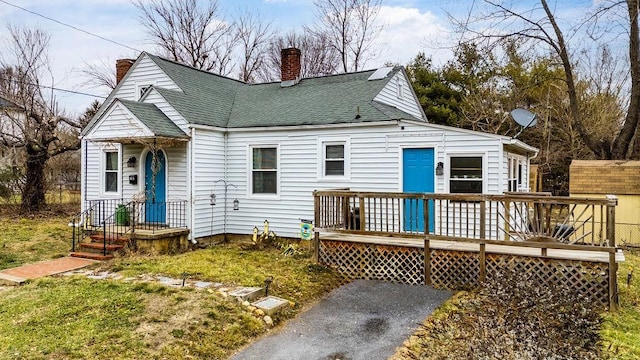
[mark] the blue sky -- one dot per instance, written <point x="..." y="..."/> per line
<point x="410" y="26"/>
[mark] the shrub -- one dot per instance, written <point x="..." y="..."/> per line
<point x="515" y="317"/>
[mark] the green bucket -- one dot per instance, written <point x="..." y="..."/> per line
<point x="122" y="215"/>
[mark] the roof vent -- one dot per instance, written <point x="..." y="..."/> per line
<point x="381" y="73"/>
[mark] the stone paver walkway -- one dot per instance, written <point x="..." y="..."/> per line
<point x="18" y="275"/>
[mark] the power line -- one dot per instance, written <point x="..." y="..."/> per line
<point x="52" y="87"/>
<point x="69" y="26"/>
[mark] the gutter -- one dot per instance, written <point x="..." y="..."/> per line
<point x="526" y="147"/>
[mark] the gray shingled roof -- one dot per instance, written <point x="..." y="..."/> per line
<point x="206" y="98"/>
<point x="154" y="119"/>
<point x="210" y="99"/>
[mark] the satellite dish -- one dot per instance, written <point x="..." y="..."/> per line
<point x="524" y="117"/>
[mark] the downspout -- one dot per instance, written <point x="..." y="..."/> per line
<point x="192" y="186"/>
<point x="224" y="176"/>
<point x="84" y="175"/>
<point x="501" y="158"/>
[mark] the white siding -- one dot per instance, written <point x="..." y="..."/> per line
<point x="389" y="95"/>
<point x="208" y="167"/>
<point x="118" y="122"/>
<point x="92" y="161"/>
<point x="177" y="173"/>
<point x="146" y="72"/>
<point x="375" y="161"/>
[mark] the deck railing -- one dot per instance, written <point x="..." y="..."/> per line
<point x="515" y="217"/>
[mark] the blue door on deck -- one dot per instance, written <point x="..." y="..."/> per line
<point x="155" y="182"/>
<point x="418" y="177"/>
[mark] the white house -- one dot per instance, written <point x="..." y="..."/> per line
<point x="11" y="115"/>
<point x="270" y="145"/>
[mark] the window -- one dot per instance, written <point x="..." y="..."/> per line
<point x="143" y="89"/>
<point x="264" y="170"/>
<point x="513" y="181"/>
<point x="514" y="166"/>
<point x="111" y="167"/>
<point x="334" y="159"/>
<point x="465" y="174"/>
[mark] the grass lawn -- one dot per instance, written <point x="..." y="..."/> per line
<point x="80" y="318"/>
<point x="110" y="319"/>
<point x="621" y="329"/>
<point x="27" y="239"/>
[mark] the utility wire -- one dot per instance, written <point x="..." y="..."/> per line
<point x="70" y="26"/>
<point x="52" y="87"/>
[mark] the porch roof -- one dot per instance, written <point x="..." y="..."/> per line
<point x="134" y="122"/>
<point x="154" y="119"/>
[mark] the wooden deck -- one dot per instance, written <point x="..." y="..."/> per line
<point x="458" y="241"/>
<point x="596" y="254"/>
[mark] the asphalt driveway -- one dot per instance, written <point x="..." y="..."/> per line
<point x="361" y="320"/>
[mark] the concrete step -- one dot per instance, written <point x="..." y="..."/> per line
<point x="98" y="247"/>
<point x="92" y="256"/>
<point x="111" y="239"/>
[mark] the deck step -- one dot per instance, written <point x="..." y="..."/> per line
<point x="92" y="256"/>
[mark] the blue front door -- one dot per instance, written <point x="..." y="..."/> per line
<point x="155" y="182"/>
<point x="418" y="177"/>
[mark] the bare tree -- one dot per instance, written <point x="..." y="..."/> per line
<point x="499" y="21"/>
<point x="253" y="34"/>
<point x="39" y="128"/>
<point x="99" y="75"/>
<point x="190" y="32"/>
<point x="350" y="27"/>
<point x="317" y="56"/>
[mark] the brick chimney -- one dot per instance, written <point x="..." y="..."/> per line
<point x="290" y="67"/>
<point x="122" y="66"/>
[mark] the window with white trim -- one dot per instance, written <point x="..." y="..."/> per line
<point x="514" y="166"/>
<point x="264" y="170"/>
<point x="111" y="168"/>
<point x="334" y="159"/>
<point x="465" y="174"/>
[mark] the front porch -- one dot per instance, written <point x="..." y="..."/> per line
<point x="458" y="241"/>
<point x="109" y="226"/>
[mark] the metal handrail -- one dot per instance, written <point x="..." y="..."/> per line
<point x="107" y="216"/>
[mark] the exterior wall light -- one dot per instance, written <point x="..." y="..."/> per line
<point x="236" y="204"/>
<point x="440" y="168"/>
<point x="131" y="162"/>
